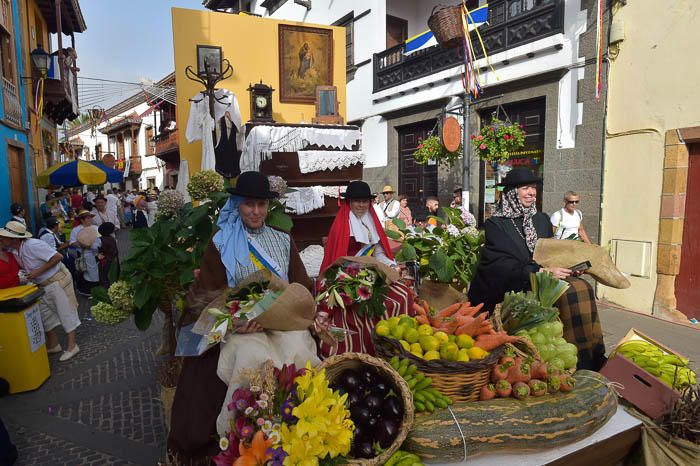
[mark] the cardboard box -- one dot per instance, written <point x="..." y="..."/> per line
<point x="639" y="387"/>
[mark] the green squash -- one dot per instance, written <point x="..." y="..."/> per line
<point x="507" y="424"/>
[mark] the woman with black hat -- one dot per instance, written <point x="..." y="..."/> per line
<point x="506" y="264"/>
<point x="226" y="261"/>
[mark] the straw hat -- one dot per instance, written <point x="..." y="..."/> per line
<point x="87" y="236"/>
<point x="387" y="189"/>
<point x="83" y="213"/>
<point x="15" y="229"/>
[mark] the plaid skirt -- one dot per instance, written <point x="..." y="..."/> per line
<point x="398" y="302"/>
<point x="579" y="314"/>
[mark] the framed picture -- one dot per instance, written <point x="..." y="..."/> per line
<point x="209" y="56"/>
<point x="327" y="106"/>
<point x="305" y="61"/>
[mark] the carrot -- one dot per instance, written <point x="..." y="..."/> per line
<point x="491" y="342"/>
<point x="471" y="311"/>
<point x="504" y="388"/>
<point x="567" y="383"/>
<point x="537" y="387"/>
<point x="521" y="390"/>
<point x="426" y="307"/>
<point x="500" y="372"/>
<point x="539" y="370"/>
<point x="449" y="310"/>
<point x="421" y="319"/>
<point x="469" y="325"/>
<point x="419" y="310"/>
<point x="485" y="329"/>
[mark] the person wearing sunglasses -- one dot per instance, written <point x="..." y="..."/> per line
<point x="567" y="222"/>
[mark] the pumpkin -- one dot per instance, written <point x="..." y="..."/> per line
<point x="508" y="424"/>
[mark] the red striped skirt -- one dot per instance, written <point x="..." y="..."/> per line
<point x="398" y="302"/>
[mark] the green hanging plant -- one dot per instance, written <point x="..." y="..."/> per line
<point x="495" y="142"/>
<point x="431" y="148"/>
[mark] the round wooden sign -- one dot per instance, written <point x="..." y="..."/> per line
<point x="108" y="160"/>
<point x="451" y="134"/>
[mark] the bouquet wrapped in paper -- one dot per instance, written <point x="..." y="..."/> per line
<point x="261" y="297"/>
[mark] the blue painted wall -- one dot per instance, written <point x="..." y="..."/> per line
<point x="9" y="133"/>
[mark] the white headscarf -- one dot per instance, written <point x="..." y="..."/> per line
<point x="363" y="229"/>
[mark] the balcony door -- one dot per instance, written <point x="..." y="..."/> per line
<point x="415" y="180"/>
<point x="396" y="31"/>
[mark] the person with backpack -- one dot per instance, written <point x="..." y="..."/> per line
<point x="567" y="222"/>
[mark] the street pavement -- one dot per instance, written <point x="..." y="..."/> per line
<point x="103" y="408"/>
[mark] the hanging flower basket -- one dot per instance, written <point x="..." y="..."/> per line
<point x="431" y="148"/>
<point x="495" y="143"/>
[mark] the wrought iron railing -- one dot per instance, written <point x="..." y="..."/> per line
<point x="11" y="105"/>
<point x="511" y="23"/>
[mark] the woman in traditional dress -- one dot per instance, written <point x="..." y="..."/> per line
<point x="506" y="264"/>
<point x="357" y="231"/>
<point x="240" y="248"/>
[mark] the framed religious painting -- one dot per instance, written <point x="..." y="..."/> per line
<point x="305" y="62"/>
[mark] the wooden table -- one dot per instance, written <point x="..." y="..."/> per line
<point x="605" y="447"/>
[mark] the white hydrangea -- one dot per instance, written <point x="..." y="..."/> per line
<point x="453" y="230"/>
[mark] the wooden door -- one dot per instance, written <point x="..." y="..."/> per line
<point x="415" y="180"/>
<point x="396" y="31"/>
<point x="688" y="280"/>
<point x="18" y="177"/>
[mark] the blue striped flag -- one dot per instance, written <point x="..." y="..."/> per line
<point x="426" y="39"/>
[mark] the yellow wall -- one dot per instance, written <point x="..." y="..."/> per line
<point x="653" y="88"/>
<point x="250" y="44"/>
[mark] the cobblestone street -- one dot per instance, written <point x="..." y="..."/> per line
<point x="101" y="407"/>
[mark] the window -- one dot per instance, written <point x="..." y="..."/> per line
<point x="150" y="183"/>
<point x="98" y="151"/>
<point x="348" y="22"/>
<point x="150" y="143"/>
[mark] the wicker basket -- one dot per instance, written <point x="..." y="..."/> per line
<point x="446" y="24"/>
<point x="524" y="347"/>
<point x="461" y="381"/>
<point x="334" y="365"/>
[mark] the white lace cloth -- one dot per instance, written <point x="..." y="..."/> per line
<point x="333" y="191"/>
<point x="304" y="200"/>
<point x="312" y="257"/>
<point x="263" y="140"/>
<point x="319" y="160"/>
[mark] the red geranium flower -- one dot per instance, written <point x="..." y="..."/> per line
<point x="482" y="147"/>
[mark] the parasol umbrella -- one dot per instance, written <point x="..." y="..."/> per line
<point x="75" y="173"/>
<point x="113" y="175"/>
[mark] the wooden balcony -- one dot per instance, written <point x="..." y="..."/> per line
<point x="11" y="105"/>
<point x="61" y="95"/>
<point x="6" y="15"/>
<point x="167" y="143"/>
<point x="509" y="26"/>
<point x="135" y="166"/>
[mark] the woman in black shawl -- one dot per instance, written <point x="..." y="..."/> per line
<point x="506" y="264"/>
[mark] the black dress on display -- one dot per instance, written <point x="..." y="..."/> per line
<point x="226" y="152"/>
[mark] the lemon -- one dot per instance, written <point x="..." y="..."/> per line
<point x="398" y="331"/>
<point x="430" y="355"/>
<point x="464" y="341"/>
<point x="405" y="345"/>
<point x="425" y="329"/>
<point x="416" y="349"/>
<point x="463" y="355"/>
<point x="382" y="329"/>
<point x="411" y="335"/>
<point x="449" y="351"/>
<point x="393" y="322"/>
<point x="424" y="261"/>
<point x="441" y="336"/>
<point x="429" y="343"/>
<point x="451" y="338"/>
<point x="477" y="353"/>
<point x="407" y="321"/>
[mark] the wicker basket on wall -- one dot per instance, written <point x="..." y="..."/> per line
<point x="446" y="24"/>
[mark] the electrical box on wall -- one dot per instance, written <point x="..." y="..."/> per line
<point x="632" y="257"/>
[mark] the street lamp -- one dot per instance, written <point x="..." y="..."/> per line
<point x="41" y="60"/>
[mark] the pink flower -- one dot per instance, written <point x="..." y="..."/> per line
<point x="347" y="300"/>
<point x="521" y="126"/>
<point x="260" y="421"/>
<point x="241" y="399"/>
<point x="480" y="138"/>
<point x="352" y="270"/>
<point x="482" y="147"/>
<point x="493" y="130"/>
<point x="364" y="293"/>
<point x="473" y="136"/>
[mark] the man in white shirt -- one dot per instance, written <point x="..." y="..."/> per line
<point x="42" y="264"/>
<point x="102" y="214"/>
<point x="49" y="235"/>
<point x="389" y="206"/>
<point x="112" y="201"/>
<point x="567" y="223"/>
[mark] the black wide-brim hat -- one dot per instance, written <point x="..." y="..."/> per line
<point x="358" y="190"/>
<point x="253" y="185"/>
<point x="519" y="177"/>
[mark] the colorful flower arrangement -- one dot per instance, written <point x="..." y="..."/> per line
<point x="352" y="283"/>
<point x="239" y="307"/>
<point x="495" y="142"/>
<point x="431" y="148"/>
<point x="204" y="183"/>
<point x="446" y="253"/>
<point x="286" y="417"/>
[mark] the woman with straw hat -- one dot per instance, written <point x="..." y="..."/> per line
<point x="43" y="265"/>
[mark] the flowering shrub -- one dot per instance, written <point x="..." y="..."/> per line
<point x="447" y="253"/>
<point x="121" y="296"/>
<point x="203" y="183"/>
<point x="431" y="148"/>
<point x="286" y="416"/>
<point x="495" y="142"/>
<point x="277" y="184"/>
<point x="170" y="202"/>
<point x="353" y="283"/>
<point x="105" y="313"/>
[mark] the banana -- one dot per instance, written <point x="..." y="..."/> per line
<point x="412" y="368"/>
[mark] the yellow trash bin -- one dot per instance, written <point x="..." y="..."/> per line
<point x="23" y="359"/>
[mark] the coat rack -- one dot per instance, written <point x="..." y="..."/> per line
<point x="209" y="80"/>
